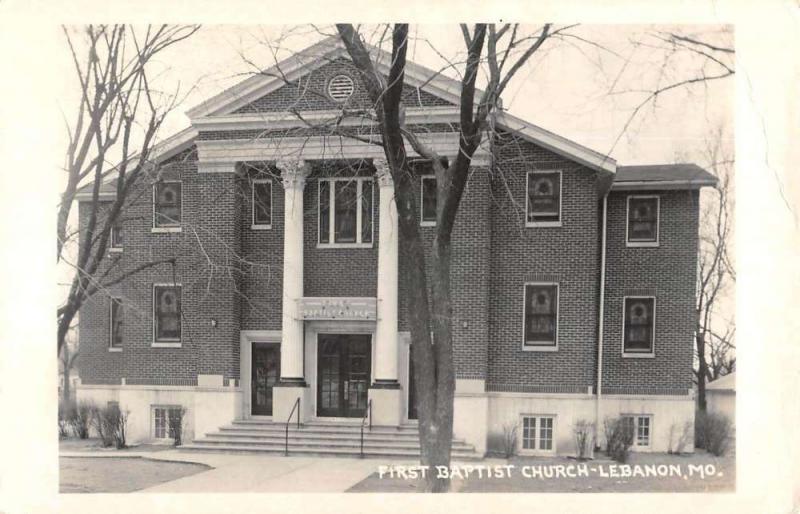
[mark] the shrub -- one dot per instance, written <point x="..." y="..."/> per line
<point x="111" y="425"/>
<point x="79" y="418"/>
<point x="64" y="410"/>
<point x="712" y="432"/>
<point x="679" y="441"/>
<point x="175" y="420"/>
<point x="503" y="444"/>
<point x="583" y="432"/>
<point x="100" y="425"/>
<point x="619" y="438"/>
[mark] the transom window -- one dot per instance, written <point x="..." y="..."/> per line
<point x="116" y="323"/>
<point x="640" y="425"/>
<point x="541" y="316"/>
<point x="262" y="203"/>
<point x="167" y="204"/>
<point x="639" y="324"/>
<point x="537" y="433"/>
<point x="167" y="313"/>
<point x="428" y="203"/>
<point x="544" y="198"/>
<point x="161" y="416"/>
<point x="345" y="211"/>
<point x="643" y="220"/>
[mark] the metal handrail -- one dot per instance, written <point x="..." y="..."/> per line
<point x="367" y="413"/>
<point x="289" y="420"/>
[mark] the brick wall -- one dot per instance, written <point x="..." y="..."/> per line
<point x="567" y="255"/>
<point x="666" y="272"/>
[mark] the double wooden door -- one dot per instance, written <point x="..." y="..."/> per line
<point x="343" y="374"/>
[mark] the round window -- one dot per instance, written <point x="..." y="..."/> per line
<point x="340" y="88"/>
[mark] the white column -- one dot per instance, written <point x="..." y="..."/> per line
<point x="386" y="340"/>
<point x="294" y="175"/>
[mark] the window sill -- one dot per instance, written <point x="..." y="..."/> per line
<point x="115" y="250"/>
<point x="543" y="224"/>
<point x="260" y="227"/>
<point x="164" y="230"/>
<point x="115" y="350"/>
<point x="325" y="246"/>
<point x="543" y="453"/>
<point x="539" y="348"/>
<point x="642" y="244"/>
<point x="427" y="223"/>
<point x="175" y="344"/>
<point x="638" y="355"/>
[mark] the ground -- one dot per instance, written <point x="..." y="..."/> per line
<point x="85" y="467"/>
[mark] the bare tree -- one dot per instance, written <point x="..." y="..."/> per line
<point x="67" y="360"/>
<point x="714" y="335"/>
<point x="117" y="120"/>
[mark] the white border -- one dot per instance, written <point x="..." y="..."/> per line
<point x="531" y="347"/>
<point x="639" y="355"/>
<point x="422" y="221"/>
<point x="537" y="451"/>
<point x="642" y="244"/>
<point x="332" y="208"/>
<point x="166" y="343"/>
<point x="253" y="224"/>
<point x="172" y="228"/>
<point x="111" y="347"/>
<point x="560" y="199"/>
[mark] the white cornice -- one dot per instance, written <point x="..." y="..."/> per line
<point x="644" y="185"/>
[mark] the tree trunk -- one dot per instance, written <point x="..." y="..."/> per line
<point x="65" y="391"/>
<point x="702" y="371"/>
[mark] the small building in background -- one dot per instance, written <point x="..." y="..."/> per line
<point x="721" y="396"/>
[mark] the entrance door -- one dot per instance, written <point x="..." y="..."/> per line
<point x="266" y="368"/>
<point x="343" y="374"/>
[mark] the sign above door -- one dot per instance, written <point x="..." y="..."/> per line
<point x="338" y="308"/>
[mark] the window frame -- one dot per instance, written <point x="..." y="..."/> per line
<point x="166" y="408"/>
<point x="539" y="346"/>
<point x="642" y="244"/>
<point x="167" y="343"/>
<point x="639" y="354"/>
<point x="544" y="224"/>
<point x="168" y="228"/>
<point x="111" y="346"/>
<point x="113" y="247"/>
<point x="253" y="224"/>
<point x="636" y="419"/>
<point x="332" y="212"/>
<point x="422" y="221"/>
<point x="537" y="435"/>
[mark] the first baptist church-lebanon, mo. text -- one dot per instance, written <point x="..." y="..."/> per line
<point x="573" y="278"/>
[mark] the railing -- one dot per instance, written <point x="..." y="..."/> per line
<point x="289" y="420"/>
<point x="367" y="413"/>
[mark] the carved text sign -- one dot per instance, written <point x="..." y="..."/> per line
<point x="343" y="308"/>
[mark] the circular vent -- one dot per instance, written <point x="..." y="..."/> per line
<point x="340" y="88"/>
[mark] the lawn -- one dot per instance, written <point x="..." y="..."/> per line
<point x="119" y="474"/>
<point x="698" y="472"/>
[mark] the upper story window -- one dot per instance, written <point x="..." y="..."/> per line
<point x="541" y="317"/>
<point x="262" y="204"/>
<point x="167" y="205"/>
<point x="643" y="212"/>
<point x="167" y="314"/>
<point x="116" y="324"/>
<point x="428" y="203"/>
<point x="544" y="199"/>
<point x="639" y="323"/>
<point x="116" y="236"/>
<point x="345" y="211"/>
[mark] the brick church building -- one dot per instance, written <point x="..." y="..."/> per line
<point x="573" y="278"/>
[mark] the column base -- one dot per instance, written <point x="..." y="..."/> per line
<point x="284" y="397"/>
<point x="386" y="406"/>
<point x="382" y="383"/>
<point x="291" y="382"/>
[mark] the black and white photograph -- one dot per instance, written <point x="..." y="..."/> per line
<point x="372" y="258"/>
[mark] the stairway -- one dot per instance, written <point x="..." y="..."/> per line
<point x="319" y="438"/>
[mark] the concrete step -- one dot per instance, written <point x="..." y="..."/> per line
<point x="320" y="451"/>
<point x="316" y="442"/>
<point x="321" y="427"/>
<point x="324" y="436"/>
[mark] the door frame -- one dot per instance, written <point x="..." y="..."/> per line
<point x="246" y="340"/>
<point x="343" y="349"/>
<point x="312" y="331"/>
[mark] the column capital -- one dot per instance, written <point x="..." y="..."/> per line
<point x="293" y="173"/>
<point x="383" y="172"/>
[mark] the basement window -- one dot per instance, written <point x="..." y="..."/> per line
<point x="345" y="212"/>
<point x="641" y="426"/>
<point x="161" y="416"/>
<point x="537" y="434"/>
<point x="639" y="324"/>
